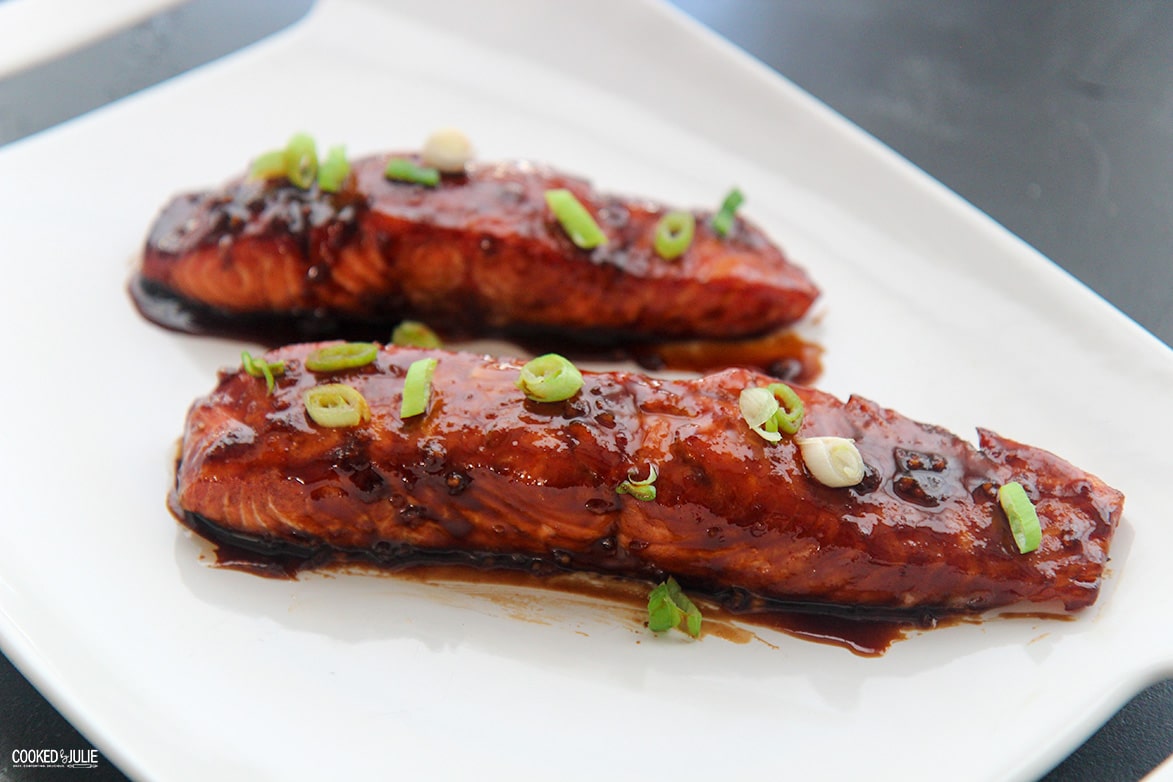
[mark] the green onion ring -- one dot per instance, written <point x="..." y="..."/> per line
<point x="417" y="387"/>
<point x="258" y="367"/>
<point x="790" y="413"/>
<point x="301" y="160"/>
<point x="413" y="334"/>
<point x="723" y="220"/>
<point x="832" y="461"/>
<point x="758" y="406"/>
<point x="334" y="170"/>
<point x="674" y="234"/>
<point x="336" y="405"/>
<point x="401" y="169"/>
<point x="1020" y="512"/>
<point x="772" y="410"/>
<point x="335" y="358"/>
<point x="575" y="220"/>
<point x="549" y="378"/>
<point x="643" y="489"/>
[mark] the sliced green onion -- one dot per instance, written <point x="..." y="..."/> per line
<point x="669" y="607"/>
<point x="790" y="413"/>
<point x="301" y="160"/>
<point x="674" y="234"/>
<point x="772" y="410"/>
<point x="549" y="378"/>
<point x="268" y="165"/>
<point x="643" y="489"/>
<point x="832" y="461"/>
<point x="417" y="387"/>
<point x="336" y="405"/>
<point x="758" y="406"/>
<point x="258" y="367"/>
<point x="298" y="162"/>
<point x="723" y="220"/>
<point x="334" y="170"/>
<point x="575" y="219"/>
<point x="1020" y="511"/>
<point x="413" y="334"/>
<point x="403" y="170"/>
<point x="338" y="357"/>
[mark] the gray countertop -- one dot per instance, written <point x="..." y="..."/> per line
<point x="1055" y="118"/>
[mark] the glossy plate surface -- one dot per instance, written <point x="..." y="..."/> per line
<point x="179" y="671"/>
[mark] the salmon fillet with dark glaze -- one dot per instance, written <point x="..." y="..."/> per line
<point x="488" y="478"/>
<point x="479" y="252"/>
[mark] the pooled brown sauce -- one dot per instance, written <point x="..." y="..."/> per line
<point x="781" y="354"/>
<point x="868" y="633"/>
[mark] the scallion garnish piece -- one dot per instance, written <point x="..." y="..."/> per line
<point x="669" y="607"/>
<point x="1020" y="511"/>
<point x="268" y="165"/>
<point x="258" y="367"/>
<point x="301" y="160"/>
<point x="335" y="358"/>
<point x="790" y="413"/>
<point x="401" y="169"/>
<point x="723" y="220"/>
<point x="643" y="489"/>
<point x="549" y="378"/>
<point x="417" y="387"/>
<point x="674" y="234"/>
<point x="336" y="405"/>
<point x="413" y="334"/>
<point x="447" y="149"/>
<point x="334" y="170"/>
<point x="772" y="410"/>
<point x="575" y="220"/>
<point x="298" y="162"/>
<point x="832" y="461"/>
<point x="758" y="407"/>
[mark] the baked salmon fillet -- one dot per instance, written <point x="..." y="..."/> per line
<point x="638" y="477"/>
<point x="481" y="250"/>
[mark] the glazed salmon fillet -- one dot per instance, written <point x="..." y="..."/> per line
<point x="479" y="252"/>
<point x="488" y="477"/>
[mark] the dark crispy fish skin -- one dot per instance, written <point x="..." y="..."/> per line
<point x="480" y="251"/>
<point x="487" y="473"/>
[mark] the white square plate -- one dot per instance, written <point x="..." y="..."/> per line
<point x="181" y="671"/>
